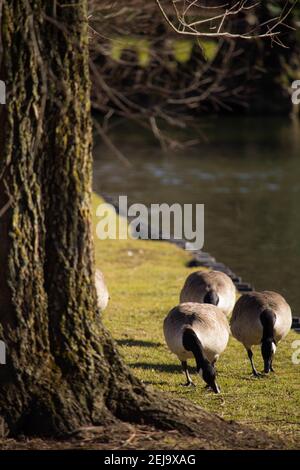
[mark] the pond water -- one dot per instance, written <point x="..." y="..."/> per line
<point x="246" y="172"/>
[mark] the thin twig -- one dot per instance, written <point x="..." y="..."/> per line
<point x="110" y="145"/>
<point x="225" y="34"/>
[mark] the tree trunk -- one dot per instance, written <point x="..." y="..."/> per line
<point x="57" y="376"/>
<point x="62" y="370"/>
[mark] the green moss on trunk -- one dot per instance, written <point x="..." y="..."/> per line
<point x="56" y="375"/>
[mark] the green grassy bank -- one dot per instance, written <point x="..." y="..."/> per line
<point x="144" y="280"/>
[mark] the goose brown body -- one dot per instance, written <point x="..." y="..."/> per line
<point x="207" y="321"/>
<point x="246" y="325"/>
<point x="263" y="318"/>
<point x="201" y="285"/>
<point x="101" y="289"/>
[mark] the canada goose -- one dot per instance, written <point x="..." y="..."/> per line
<point x="210" y="287"/>
<point x="261" y="318"/>
<point x="200" y="331"/>
<point x="102" y="292"/>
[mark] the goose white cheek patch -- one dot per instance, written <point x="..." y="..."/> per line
<point x="273" y="348"/>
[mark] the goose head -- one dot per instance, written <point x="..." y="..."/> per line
<point x="208" y="373"/>
<point x="268" y="349"/>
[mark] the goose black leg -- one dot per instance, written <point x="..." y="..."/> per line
<point x="189" y="381"/>
<point x="250" y="355"/>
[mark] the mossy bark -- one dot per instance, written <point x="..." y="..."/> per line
<point x="57" y="376"/>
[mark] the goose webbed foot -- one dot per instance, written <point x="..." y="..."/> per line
<point x="256" y="374"/>
<point x="189" y="384"/>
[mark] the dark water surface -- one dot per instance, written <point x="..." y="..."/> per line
<point x="248" y="176"/>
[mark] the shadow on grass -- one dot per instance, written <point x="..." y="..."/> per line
<point x="138" y="343"/>
<point x="170" y="368"/>
<point x="153" y="382"/>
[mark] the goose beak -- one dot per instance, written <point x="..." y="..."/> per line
<point x="216" y="387"/>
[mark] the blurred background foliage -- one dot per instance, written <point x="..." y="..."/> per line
<point x="143" y="71"/>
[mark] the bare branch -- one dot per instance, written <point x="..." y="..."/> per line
<point x="218" y="22"/>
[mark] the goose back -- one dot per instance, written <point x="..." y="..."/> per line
<point x="246" y="325"/>
<point x="201" y="283"/>
<point x="208" y="322"/>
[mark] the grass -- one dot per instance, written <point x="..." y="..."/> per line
<point x="144" y="280"/>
